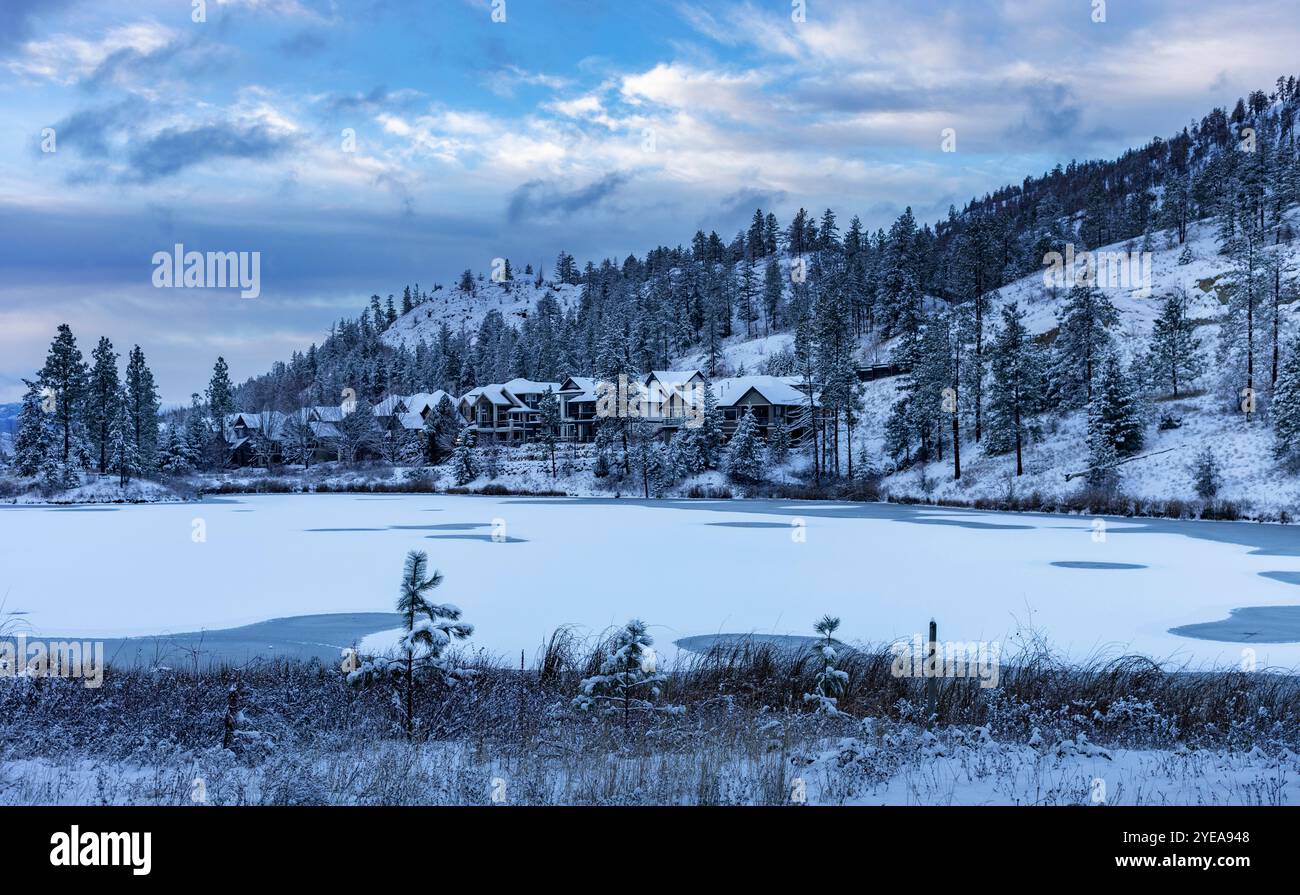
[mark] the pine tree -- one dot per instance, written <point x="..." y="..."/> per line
<point x="1083" y="340"/>
<point x="300" y="439"/>
<point x="34" y="442"/>
<point x="220" y="396"/>
<point x="142" y="407"/>
<point x="197" y="433"/>
<point x="464" y="469"/>
<point x="123" y="458"/>
<point x="743" y="458"/>
<point x="831" y="681"/>
<point x="628" y="671"/>
<point x="1114" y="403"/>
<point x="1285" y="410"/>
<point x="100" y="401"/>
<point x="1206" y="478"/>
<point x="427" y="630"/>
<point x="1016" y="392"/>
<point x="1174" y="353"/>
<point x="65" y="375"/>
<point x="441" y="428"/>
<point x="176" y="457"/>
<point x="778" y="444"/>
<point x="549" y="432"/>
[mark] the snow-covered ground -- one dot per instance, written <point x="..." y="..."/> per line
<point x="686" y="567"/>
<point x="959" y="767"/>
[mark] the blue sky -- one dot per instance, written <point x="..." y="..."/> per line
<point x="601" y="128"/>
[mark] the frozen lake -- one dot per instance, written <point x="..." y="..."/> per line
<point x="686" y="567"/>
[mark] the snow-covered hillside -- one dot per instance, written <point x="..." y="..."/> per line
<point x="1251" y="479"/>
<point x="462" y="310"/>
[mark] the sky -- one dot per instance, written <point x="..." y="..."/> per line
<point x="362" y="145"/>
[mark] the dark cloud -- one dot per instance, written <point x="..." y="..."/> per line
<point x="17" y="16"/>
<point x="1052" y="113"/>
<point x="542" y="199"/>
<point x="175" y="149"/>
<point x="88" y="131"/>
<point x="736" y="209"/>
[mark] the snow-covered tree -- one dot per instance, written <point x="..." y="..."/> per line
<point x="197" y="433"/>
<point x="123" y="457"/>
<point x="743" y="457"/>
<point x="1016" y="386"/>
<point x="1174" y="357"/>
<point x="427" y="630"/>
<point x="101" y="399"/>
<point x="464" y="467"/>
<point x="1285" y="410"/>
<point x="220" y="394"/>
<point x="441" y="428"/>
<point x="176" y="457"/>
<point x="1082" y="342"/>
<point x="142" y="406"/>
<point x="628" y="675"/>
<point x="831" y="681"/>
<point x="778" y="443"/>
<point x="34" y="442"/>
<point x="1206" y="478"/>
<point x="1116" y="408"/>
<point x="65" y="376"/>
<point x="549" y="432"/>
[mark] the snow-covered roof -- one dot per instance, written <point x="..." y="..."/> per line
<point x="422" y="401"/>
<point x="496" y="394"/>
<point x="773" y="389"/>
<point x="324" y="430"/>
<point x="411" y="420"/>
<point x="672" y="377"/>
<point x="327" y="413"/>
<point x="530" y="387"/>
<point x="390" y="406"/>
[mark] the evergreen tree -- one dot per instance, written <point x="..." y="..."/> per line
<point x="142" y="407"/>
<point x="1206" y="478"/>
<point x="123" y="457"/>
<point x="427" y="630"/>
<point x="100" y="402"/>
<point x="65" y="375"/>
<point x="1016" y="392"/>
<point x="708" y="435"/>
<point x="831" y="681"/>
<point x="1285" y="410"/>
<point x="1115" y="428"/>
<point x="1174" y="353"/>
<point x="34" y="442"/>
<point x="464" y="468"/>
<point x="549" y="432"/>
<point x="778" y="444"/>
<point x="743" y="458"/>
<point x="441" y="427"/>
<point x="1082" y="342"/>
<point x="627" y="672"/>
<point x="176" y="457"/>
<point x="197" y="433"/>
<point x="220" y="396"/>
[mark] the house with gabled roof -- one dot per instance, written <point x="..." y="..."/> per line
<point x="771" y="399"/>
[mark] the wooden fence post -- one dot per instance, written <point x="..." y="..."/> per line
<point x="932" y="672"/>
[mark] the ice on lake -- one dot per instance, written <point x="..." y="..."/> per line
<point x="520" y="567"/>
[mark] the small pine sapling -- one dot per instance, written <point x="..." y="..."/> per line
<point x="831" y="682"/>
